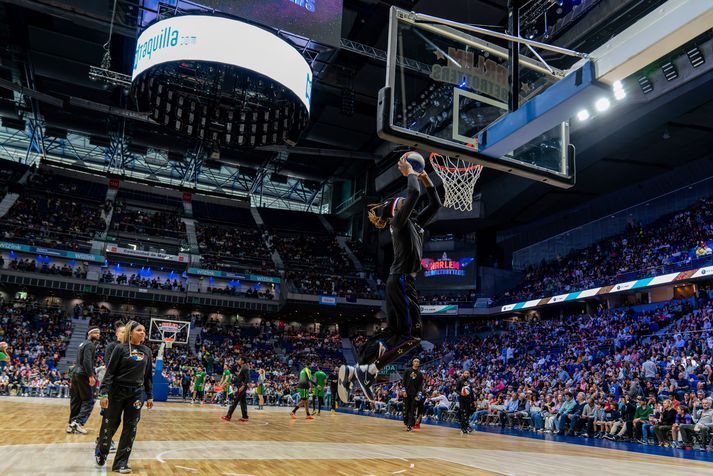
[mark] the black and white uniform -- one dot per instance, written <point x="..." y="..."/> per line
<point x="81" y="395"/>
<point x="403" y="315"/>
<point x="128" y="377"/>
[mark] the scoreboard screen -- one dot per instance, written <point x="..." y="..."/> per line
<point x="318" y="20"/>
<point x="445" y="269"/>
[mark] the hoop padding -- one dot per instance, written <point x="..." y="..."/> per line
<point x="459" y="178"/>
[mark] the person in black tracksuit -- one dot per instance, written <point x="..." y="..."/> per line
<point x="128" y="377"/>
<point x="81" y="394"/>
<point x="119" y="332"/>
<point x="403" y="315"/>
<point x="186" y="384"/>
<point x="465" y="402"/>
<point x="333" y="381"/>
<point x="242" y="381"/>
<point x="413" y="383"/>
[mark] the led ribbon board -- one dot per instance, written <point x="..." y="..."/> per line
<point x="227" y="41"/>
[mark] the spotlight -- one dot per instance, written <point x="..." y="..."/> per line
<point x="602" y="104"/>
<point x="619" y="92"/>
<point x="669" y="71"/>
<point x="695" y="57"/>
<point x="646" y="85"/>
<point x="583" y="115"/>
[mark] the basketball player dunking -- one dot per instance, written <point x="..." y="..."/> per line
<point x="403" y="315"/>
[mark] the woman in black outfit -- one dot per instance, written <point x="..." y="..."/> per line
<point x="127" y="378"/>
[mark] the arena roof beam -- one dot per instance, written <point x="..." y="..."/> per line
<point x="655" y="35"/>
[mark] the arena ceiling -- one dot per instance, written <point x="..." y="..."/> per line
<point x="50" y="45"/>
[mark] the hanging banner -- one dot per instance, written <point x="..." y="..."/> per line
<point x="328" y="300"/>
<point x="244" y="277"/>
<point x="51" y="252"/>
<point x="147" y="254"/>
<point x="441" y="309"/>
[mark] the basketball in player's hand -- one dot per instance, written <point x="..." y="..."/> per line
<point x="416" y="160"/>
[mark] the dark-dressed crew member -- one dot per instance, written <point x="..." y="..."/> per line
<point x="413" y="384"/>
<point x="81" y="393"/>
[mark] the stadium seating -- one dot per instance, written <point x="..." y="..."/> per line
<point x="37" y="338"/>
<point x="674" y="242"/>
<point x="56" y="215"/>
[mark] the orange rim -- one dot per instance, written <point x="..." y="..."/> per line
<point x="451" y="169"/>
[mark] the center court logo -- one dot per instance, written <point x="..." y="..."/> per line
<point x="166" y="38"/>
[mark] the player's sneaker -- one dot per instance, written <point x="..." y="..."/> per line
<point x="293" y="416"/>
<point x="125" y="469"/>
<point x="346" y="374"/>
<point x="417" y="426"/>
<point x="79" y="428"/>
<point x="70" y="428"/>
<point x="100" y="458"/>
<point x="226" y="418"/>
<point x="365" y="380"/>
<point x="334" y="412"/>
<point x="309" y="417"/>
<point x="244" y="420"/>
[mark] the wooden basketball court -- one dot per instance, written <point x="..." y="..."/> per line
<point x="191" y="439"/>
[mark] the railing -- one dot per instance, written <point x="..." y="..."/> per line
<point x="680" y="266"/>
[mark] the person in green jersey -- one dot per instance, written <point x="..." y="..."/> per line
<point x="303" y="386"/>
<point x="225" y="383"/>
<point x="320" y="379"/>
<point x="198" y="380"/>
<point x="260" y="390"/>
<point x="4" y="357"/>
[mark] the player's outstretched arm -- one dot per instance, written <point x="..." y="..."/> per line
<point x="413" y="192"/>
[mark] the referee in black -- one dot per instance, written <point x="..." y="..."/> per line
<point x="242" y="380"/>
<point x="81" y="394"/>
<point x="413" y="382"/>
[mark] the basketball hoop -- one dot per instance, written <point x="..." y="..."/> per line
<point x="458" y="178"/>
<point x="169" y="341"/>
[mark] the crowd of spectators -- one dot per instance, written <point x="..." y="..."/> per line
<point x="641" y="251"/>
<point x="37" y="338"/>
<point x="69" y="270"/>
<point x="265" y="292"/>
<point x="248" y="247"/>
<point x="347" y="287"/>
<point x="317" y="253"/>
<point x="136" y="281"/>
<point x="447" y="298"/>
<point x="147" y="222"/>
<point x="620" y="375"/>
<point x="44" y="220"/>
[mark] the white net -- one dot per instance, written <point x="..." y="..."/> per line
<point x="459" y="178"/>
